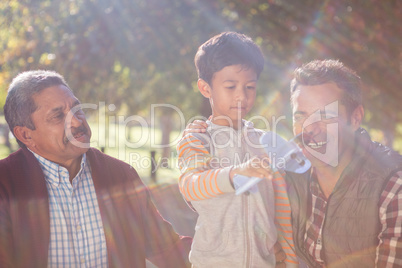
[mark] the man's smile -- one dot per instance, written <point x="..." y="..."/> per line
<point x="317" y="145"/>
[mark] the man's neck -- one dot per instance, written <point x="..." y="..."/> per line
<point x="73" y="168"/>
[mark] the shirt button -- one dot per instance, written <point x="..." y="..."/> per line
<point x="78" y="227"/>
<point x="82" y="260"/>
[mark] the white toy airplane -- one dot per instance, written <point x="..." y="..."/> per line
<point x="284" y="156"/>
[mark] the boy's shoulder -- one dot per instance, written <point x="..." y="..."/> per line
<point x="195" y="140"/>
<point x="250" y="129"/>
<point x="256" y="131"/>
<point x="218" y="134"/>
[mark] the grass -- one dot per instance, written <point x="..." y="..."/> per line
<point x="137" y="151"/>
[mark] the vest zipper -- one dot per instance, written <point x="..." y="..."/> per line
<point x="341" y="178"/>
<point x="246" y="208"/>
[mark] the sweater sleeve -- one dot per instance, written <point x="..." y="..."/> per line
<point x="283" y="219"/>
<point x="163" y="246"/>
<point x="24" y="212"/>
<point x="134" y="229"/>
<point x="6" y="244"/>
<point x="199" y="180"/>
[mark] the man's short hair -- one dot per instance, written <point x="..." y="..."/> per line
<point x="226" y="49"/>
<point x="319" y="72"/>
<point x="20" y="104"/>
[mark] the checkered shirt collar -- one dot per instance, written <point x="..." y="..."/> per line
<point x="54" y="173"/>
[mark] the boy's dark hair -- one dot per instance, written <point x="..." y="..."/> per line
<point x="319" y="72"/>
<point x="226" y="49"/>
<point x="20" y="104"/>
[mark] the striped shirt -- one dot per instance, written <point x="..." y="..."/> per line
<point x="283" y="219"/>
<point x="77" y="238"/>
<point x="205" y="176"/>
<point x="389" y="250"/>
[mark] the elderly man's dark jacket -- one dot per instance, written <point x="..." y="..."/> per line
<point x="134" y="229"/>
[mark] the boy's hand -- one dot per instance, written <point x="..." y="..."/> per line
<point x="197" y="126"/>
<point x="258" y="166"/>
<point x="280" y="255"/>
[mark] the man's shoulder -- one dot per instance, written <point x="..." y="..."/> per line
<point x="383" y="160"/>
<point x="377" y="158"/>
<point x="12" y="160"/>
<point x="17" y="168"/>
<point x="104" y="163"/>
<point x="98" y="157"/>
<point x="109" y="170"/>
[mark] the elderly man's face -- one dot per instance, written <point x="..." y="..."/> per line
<point x="61" y="131"/>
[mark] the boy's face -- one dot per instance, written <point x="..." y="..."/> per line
<point x="231" y="94"/>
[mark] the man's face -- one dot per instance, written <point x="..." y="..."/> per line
<point x="322" y="119"/>
<point x="56" y="129"/>
<point x="232" y="94"/>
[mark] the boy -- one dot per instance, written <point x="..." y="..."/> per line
<point x="232" y="230"/>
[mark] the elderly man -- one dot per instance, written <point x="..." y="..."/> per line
<point x="63" y="204"/>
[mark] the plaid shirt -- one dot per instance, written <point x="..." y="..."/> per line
<point x="389" y="250"/>
<point x="77" y="237"/>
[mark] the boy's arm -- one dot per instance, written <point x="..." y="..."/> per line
<point x="202" y="175"/>
<point x="198" y="180"/>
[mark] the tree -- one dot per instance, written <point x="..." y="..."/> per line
<point x="133" y="53"/>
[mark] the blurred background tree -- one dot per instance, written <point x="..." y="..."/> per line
<point x="134" y="53"/>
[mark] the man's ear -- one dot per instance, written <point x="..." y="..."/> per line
<point x="204" y="88"/>
<point x="357" y="117"/>
<point x="23" y="134"/>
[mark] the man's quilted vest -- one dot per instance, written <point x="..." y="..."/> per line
<point x="352" y="224"/>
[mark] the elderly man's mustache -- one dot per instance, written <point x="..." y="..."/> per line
<point x="81" y="130"/>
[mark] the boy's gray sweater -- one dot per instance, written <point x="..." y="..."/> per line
<point x="234" y="230"/>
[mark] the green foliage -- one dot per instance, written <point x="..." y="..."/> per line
<point x="133" y="53"/>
